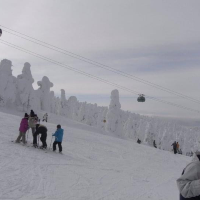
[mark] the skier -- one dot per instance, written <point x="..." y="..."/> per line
<point x="180" y="151"/>
<point x="174" y="147"/>
<point x="22" y="129"/>
<point x="138" y="141"/>
<point x="177" y="147"/>
<point x="154" y="144"/>
<point x="31" y="121"/>
<point x="189" y="182"/>
<point x="45" y="117"/>
<point x="58" y="138"/>
<point x="40" y="129"/>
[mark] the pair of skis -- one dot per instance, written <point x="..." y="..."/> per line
<point x="48" y="150"/>
<point x="38" y="147"/>
<point x="26" y="144"/>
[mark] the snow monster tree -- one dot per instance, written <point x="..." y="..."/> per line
<point x="8" y="84"/>
<point x="26" y="95"/>
<point x="113" y="118"/>
<point x="44" y="93"/>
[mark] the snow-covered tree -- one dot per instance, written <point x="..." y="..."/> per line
<point x="44" y="93"/>
<point x="26" y="96"/>
<point x="73" y="107"/>
<point x="113" y="119"/>
<point x="63" y="103"/>
<point x="130" y="128"/>
<point x="52" y="102"/>
<point x="150" y="135"/>
<point x="124" y="115"/>
<point x="101" y="120"/>
<point x="8" y="84"/>
<point x="82" y="115"/>
<point x="57" y="105"/>
<point x="92" y="114"/>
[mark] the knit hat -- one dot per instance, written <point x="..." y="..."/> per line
<point x="26" y="115"/>
<point x="32" y="113"/>
<point x="58" y="126"/>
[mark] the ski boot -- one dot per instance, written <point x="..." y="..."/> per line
<point x="35" y="145"/>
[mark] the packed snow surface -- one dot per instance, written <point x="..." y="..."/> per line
<point x="93" y="166"/>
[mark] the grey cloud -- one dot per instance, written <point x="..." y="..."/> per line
<point x="153" y="58"/>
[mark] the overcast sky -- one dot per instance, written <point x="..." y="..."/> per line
<point x="155" y="40"/>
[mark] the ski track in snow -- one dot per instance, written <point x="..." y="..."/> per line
<point x="93" y="166"/>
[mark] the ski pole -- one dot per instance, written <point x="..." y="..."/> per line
<point x="51" y="142"/>
<point x="38" y="141"/>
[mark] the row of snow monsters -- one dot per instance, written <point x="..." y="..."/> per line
<point x="141" y="97"/>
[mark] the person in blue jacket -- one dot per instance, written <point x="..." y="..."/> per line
<point x="58" y="138"/>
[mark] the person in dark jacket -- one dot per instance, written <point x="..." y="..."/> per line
<point x="154" y="144"/>
<point x="174" y="147"/>
<point x="58" y="138"/>
<point x="40" y="129"/>
<point x="189" y="182"/>
<point x="138" y="141"/>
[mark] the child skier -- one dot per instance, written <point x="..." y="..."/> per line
<point x="45" y="117"/>
<point x="22" y="129"/>
<point x="58" y="138"/>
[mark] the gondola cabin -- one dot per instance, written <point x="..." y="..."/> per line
<point x="141" y="98"/>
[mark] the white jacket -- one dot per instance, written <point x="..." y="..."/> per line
<point x="189" y="182"/>
<point x="31" y="122"/>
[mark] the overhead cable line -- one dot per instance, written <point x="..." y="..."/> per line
<point x="90" y="75"/>
<point x="111" y="69"/>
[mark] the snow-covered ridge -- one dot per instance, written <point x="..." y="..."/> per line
<point x="18" y="93"/>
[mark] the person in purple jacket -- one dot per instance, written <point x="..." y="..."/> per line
<point x="22" y="129"/>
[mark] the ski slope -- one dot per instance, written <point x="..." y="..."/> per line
<point x="93" y="166"/>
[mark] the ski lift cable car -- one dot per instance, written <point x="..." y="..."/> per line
<point x="141" y="98"/>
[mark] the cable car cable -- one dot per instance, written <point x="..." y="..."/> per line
<point x="103" y="66"/>
<point x="91" y="76"/>
<point x="112" y="69"/>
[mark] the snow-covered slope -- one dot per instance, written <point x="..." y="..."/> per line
<point x="93" y="166"/>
